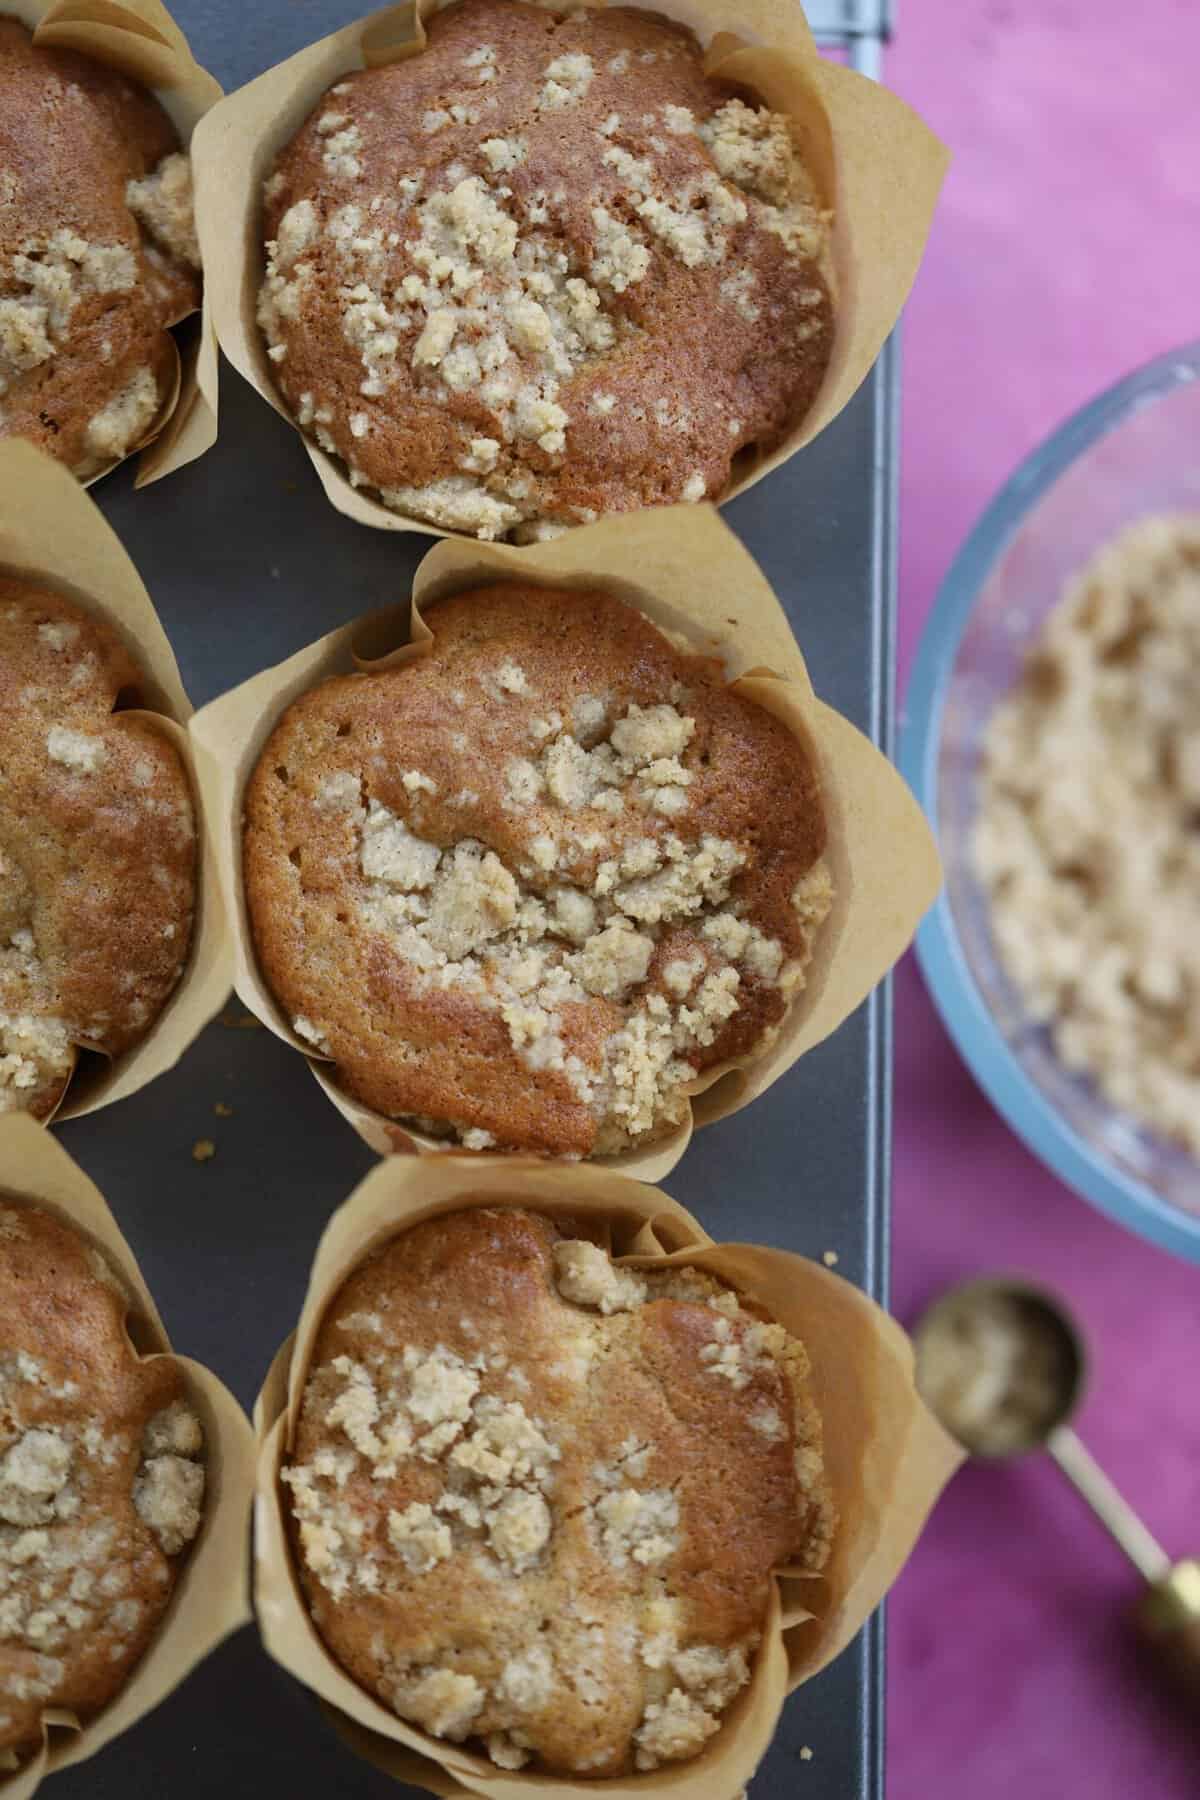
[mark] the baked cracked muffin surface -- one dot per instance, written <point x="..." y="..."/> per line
<point x="101" y="1480"/>
<point x="524" y="888"/>
<point x="537" y="1498"/>
<point x="97" y="849"/>
<point x="98" y="253"/>
<point x="542" y="271"/>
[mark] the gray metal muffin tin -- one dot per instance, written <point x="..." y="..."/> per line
<point x="246" y="562"/>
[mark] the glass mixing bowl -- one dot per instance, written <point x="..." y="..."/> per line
<point x="1133" y="451"/>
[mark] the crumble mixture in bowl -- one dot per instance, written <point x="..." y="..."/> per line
<point x="1087" y="839"/>
<point x="1096" y="864"/>
<point x="98" y="253"/>
<point x="524" y="889"/>
<point x="102" y="1480"/>
<point x="510" y="1491"/>
<point x="543" y="270"/>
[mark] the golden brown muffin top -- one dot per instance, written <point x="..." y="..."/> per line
<point x="97" y="253"/>
<point x="101" y="1479"/>
<point x="97" y="849"/>
<point x="527" y="886"/>
<point x="543" y="270"/>
<point x="537" y="1498"/>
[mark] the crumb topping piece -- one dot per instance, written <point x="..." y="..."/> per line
<point x="169" y="1491"/>
<point x="584" y="1274"/>
<point x="556" y="226"/>
<point x="509" y="1498"/>
<point x="162" y="203"/>
<point x="123" y="421"/>
<point x="36" y="1053"/>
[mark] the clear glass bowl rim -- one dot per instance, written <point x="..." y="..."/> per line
<point x="1122" y="1197"/>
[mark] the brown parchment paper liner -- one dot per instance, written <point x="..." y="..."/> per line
<point x="876" y="165"/>
<point x="210" y="1598"/>
<point x="885" y="1455"/>
<point x="142" y="40"/>
<point x="51" y="533"/>
<point x="689" y="574"/>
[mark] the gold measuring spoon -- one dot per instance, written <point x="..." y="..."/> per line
<point x="1003" y="1365"/>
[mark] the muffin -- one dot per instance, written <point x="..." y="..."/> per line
<point x="1086" y="838"/>
<point x="101" y="1480"/>
<point x="544" y="270"/>
<point x="98" y="255"/>
<point x="97" y="849"/>
<point x="525" y="887"/>
<point x="537" y="1499"/>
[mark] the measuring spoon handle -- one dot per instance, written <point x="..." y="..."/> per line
<point x="1168" y="1614"/>
<point x="1110" y="1507"/>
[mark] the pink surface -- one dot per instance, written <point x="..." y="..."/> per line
<point x="1067" y="252"/>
